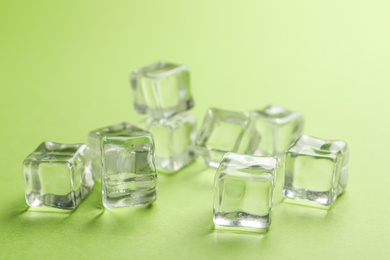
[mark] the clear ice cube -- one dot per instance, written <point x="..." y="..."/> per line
<point x="278" y="128"/>
<point x="161" y="89"/>
<point x="174" y="138"/>
<point x="316" y="170"/>
<point x="57" y="175"/>
<point x="225" y="131"/>
<point x="95" y="140"/>
<point x="243" y="191"/>
<point x="129" y="176"/>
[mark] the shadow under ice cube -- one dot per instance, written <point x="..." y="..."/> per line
<point x="316" y="170"/>
<point x="57" y="175"/>
<point x="243" y="191"/>
<point x="161" y="89"/>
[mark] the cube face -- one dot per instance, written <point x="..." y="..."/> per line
<point x="161" y="89"/>
<point x="243" y="191"/>
<point x="57" y="175"/>
<point x="95" y="140"/>
<point x="174" y="138"/>
<point x="129" y="175"/>
<point x="225" y="131"/>
<point x="278" y="128"/>
<point x="316" y="170"/>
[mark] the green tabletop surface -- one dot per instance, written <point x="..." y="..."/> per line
<point x="64" y="70"/>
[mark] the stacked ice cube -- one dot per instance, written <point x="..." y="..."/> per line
<point x="162" y="91"/>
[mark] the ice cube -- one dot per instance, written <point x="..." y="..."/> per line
<point x="161" y="89"/>
<point x="243" y="191"/>
<point x="57" y="175"/>
<point x="174" y="138"/>
<point x="278" y="128"/>
<point x="316" y="170"/>
<point x="225" y="131"/>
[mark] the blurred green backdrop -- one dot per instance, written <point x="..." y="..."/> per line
<point x="64" y="69"/>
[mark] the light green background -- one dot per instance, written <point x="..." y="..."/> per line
<point x="64" y="69"/>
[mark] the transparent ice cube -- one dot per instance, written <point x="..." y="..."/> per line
<point x="57" y="175"/>
<point x="129" y="176"/>
<point x="243" y="191"/>
<point x="161" y="89"/>
<point x="174" y="138"/>
<point x="95" y="140"/>
<point x="225" y="131"/>
<point x="278" y="128"/>
<point x="316" y="170"/>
